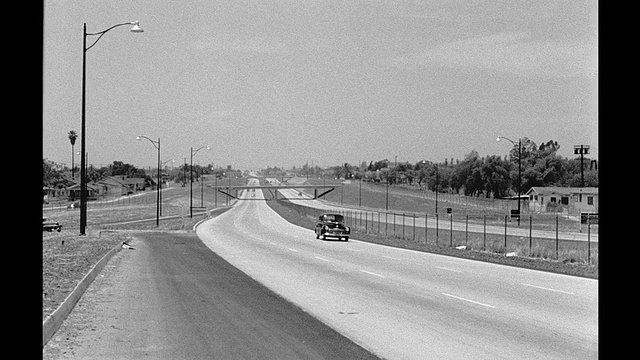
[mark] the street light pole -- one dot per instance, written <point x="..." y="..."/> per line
<point x="191" y="179"/>
<point x="157" y="146"/>
<point x="83" y="172"/>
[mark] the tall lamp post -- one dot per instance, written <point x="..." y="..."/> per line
<point x="519" y="143"/>
<point x="157" y="146"/>
<point x="172" y="161"/>
<point x="191" y="179"/>
<point x="83" y="172"/>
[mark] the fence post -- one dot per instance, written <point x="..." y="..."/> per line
<point x="414" y="227"/>
<point x="366" y="227"/>
<point x="530" y="225"/>
<point x="484" y="232"/>
<point x="466" y="230"/>
<point x="437" y="223"/>
<point x="426" y="216"/>
<point x="556" y="237"/>
<point x="386" y="223"/>
<point x="588" y="238"/>
<point x="505" y="234"/>
<point x="451" y="230"/>
<point x="402" y="226"/>
<point x="394" y="224"/>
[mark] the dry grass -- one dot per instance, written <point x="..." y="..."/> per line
<point x="66" y="259"/>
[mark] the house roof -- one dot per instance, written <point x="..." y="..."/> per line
<point x="120" y="180"/>
<point x="77" y="186"/>
<point x="559" y="190"/>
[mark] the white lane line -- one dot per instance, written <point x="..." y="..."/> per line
<point x="471" y="301"/>
<point x="323" y="259"/>
<point x="549" y="289"/>
<point x="294" y="250"/>
<point x="372" y="273"/>
<point x="390" y="257"/>
<point x="443" y="268"/>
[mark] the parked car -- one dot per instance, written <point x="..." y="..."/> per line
<point x="332" y="225"/>
<point x="50" y="225"/>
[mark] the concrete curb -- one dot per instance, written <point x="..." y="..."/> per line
<point x="53" y="322"/>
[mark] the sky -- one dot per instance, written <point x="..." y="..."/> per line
<point x="286" y="83"/>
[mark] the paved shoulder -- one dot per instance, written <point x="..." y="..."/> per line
<point x="172" y="297"/>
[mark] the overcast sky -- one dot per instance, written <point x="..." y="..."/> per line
<point x="282" y="83"/>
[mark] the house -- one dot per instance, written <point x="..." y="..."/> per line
<point x="112" y="185"/>
<point x="74" y="192"/>
<point x="563" y="199"/>
<point x="134" y="185"/>
<point x="120" y="185"/>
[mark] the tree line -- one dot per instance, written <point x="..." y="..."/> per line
<point x="488" y="176"/>
<point x="56" y="176"/>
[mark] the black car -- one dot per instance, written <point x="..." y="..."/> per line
<point x="51" y="225"/>
<point x="332" y="225"/>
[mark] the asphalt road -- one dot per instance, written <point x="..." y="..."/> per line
<point x="299" y="197"/>
<point x="173" y="298"/>
<point x="403" y="304"/>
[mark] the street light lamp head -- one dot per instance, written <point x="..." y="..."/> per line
<point x="498" y="139"/>
<point x="208" y="147"/>
<point x="136" y="27"/>
<point x="138" y="138"/>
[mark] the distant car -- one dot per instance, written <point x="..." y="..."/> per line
<point x="50" y="225"/>
<point x="332" y="225"/>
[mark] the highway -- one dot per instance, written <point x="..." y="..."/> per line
<point x="402" y="304"/>
<point x="305" y="199"/>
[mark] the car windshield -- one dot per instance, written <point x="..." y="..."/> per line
<point x="333" y="217"/>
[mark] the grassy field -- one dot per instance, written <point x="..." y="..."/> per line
<point x="404" y="198"/>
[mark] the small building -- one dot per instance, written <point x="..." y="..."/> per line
<point x="74" y="192"/>
<point x="119" y="185"/>
<point x="571" y="200"/>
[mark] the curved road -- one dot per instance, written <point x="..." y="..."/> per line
<point x="403" y="304"/>
<point x="173" y="298"/>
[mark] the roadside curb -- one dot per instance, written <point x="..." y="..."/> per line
<point x="53" y="322"/>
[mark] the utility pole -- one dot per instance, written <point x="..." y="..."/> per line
<point x="581" y="150"/>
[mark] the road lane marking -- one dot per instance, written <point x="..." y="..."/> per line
<point x="323" y="259"/>
<point x="549" y="289"/>
<point x="471" y="301"/>
<point x="389" y="257"/>
<point x="372" y="273"/>
<point x="294" y="250"/>
<point x="443" y="268"/>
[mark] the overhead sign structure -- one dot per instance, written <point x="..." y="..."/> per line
<point x="228" y="189"/>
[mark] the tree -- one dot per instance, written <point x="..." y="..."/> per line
<point x="495" y="176"/>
